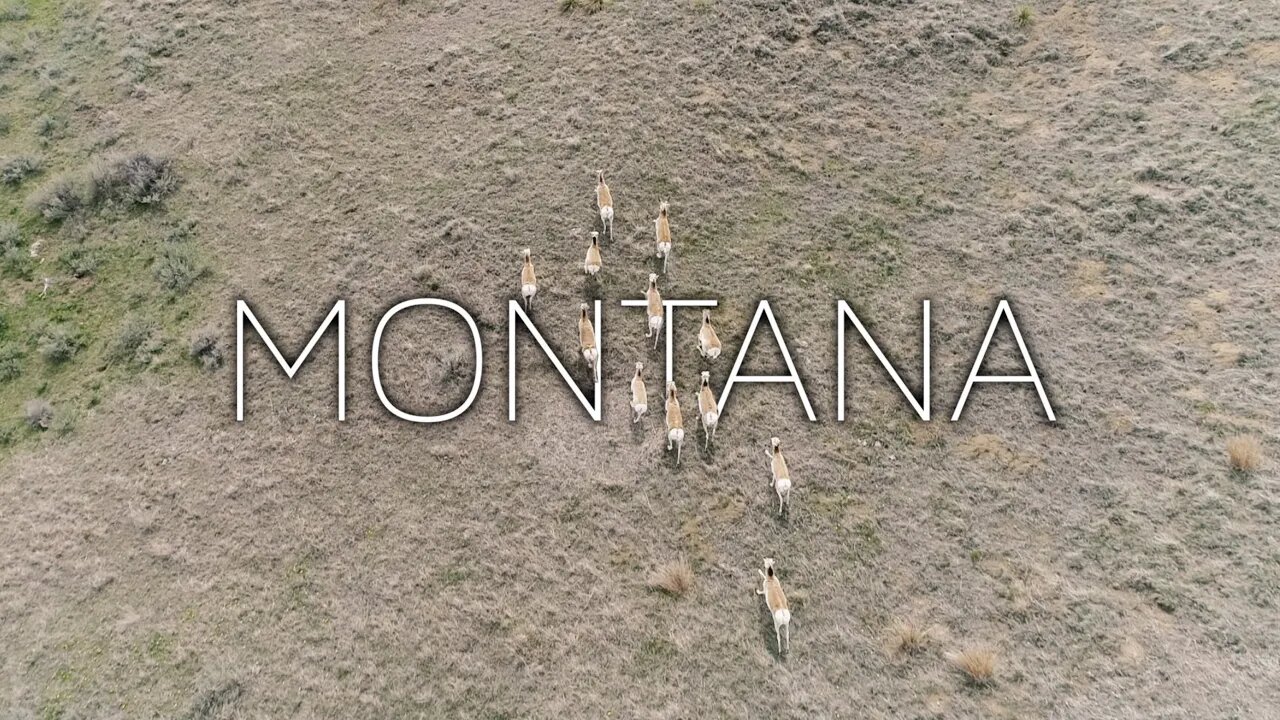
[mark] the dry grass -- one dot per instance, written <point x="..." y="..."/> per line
<point x="587" y="6"/>
<point x="908" y="638"/>
<point x="674" y="578"/>
<point x="976" y="663"/>
<point x="1244" y="453"/>
<point x="984" y="158"/>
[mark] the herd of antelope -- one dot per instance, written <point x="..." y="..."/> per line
<point x="708" y="345"/>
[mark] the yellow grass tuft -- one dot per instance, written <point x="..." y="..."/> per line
<point x="1244" y="453"/>
<point x="674" y="578"/>
<point x="977" y="664"/>
<point x="587" y="6"/>
<point x="908" y="638"/>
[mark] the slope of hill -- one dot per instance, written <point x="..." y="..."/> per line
<point x="1111" y="170"/>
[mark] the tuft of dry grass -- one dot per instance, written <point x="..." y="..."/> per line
<point x="976" y="663"/>
<point x="1244" y="453"/>
<point x="908" y="638"/>
<point x="674" y="578"/>
<point x="1024" y="17"/>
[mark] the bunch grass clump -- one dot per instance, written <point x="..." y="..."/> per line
<point x="674" y="578"/>
<point x="908" y="638"/>
<point x="1244" y="453"/>
<point x="1024" y="17"/>
<point x="977" y="664"/>
<point x="587" y="6"/>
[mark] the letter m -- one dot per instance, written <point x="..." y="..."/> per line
<point x="338" y="312"/>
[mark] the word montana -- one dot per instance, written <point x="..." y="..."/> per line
<point x="517" y="318"/>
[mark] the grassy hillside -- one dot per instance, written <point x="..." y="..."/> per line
<point x="1109" y="168"/>
<point x="96" y="266"/>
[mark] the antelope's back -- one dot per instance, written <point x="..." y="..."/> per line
<point x="773" y="595"/>
<point x="780" y="467"/>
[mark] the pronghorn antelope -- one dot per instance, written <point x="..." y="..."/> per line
<point x="604" y="201"/>
<point x="708" y="341"/>
<point x="663" y="230"/>
<point x="777" y="602"/>
<point x="593" y="263"/>
<point x="781" y="475"/>
<point x="708" y="412"/>
<point x="587" y="342"/>
<point x="654" y="299"/>
<point x="528" y="279"/>
<point x="675" y="421"/>
<point x="639" y="398"/>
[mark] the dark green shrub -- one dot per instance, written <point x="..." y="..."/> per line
<point x="10" y="362"/>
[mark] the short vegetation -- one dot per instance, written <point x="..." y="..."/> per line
<point x="977" y="664"/>
<point x="58" y="199"/>
<point x="205" y="349"/>
<point x="1244" y="453"/>
<point x="91" y="262"/>
<point x="1024" y="17"/>
<point x="10" y="362"/>
<point x="132" y="180"/>
<point x="674" y="578"/>
<point x="908" y="638"/>
<point x="14" y="11"/>
<point x="586" y="6"/>
<point x="177" y="269"/>
<point x="137" y="179"/>
<point x="136" y="342"/>
<point x="17" y="169"/>
<point x="59" y="343"/>
<point x="38" y="414"/>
